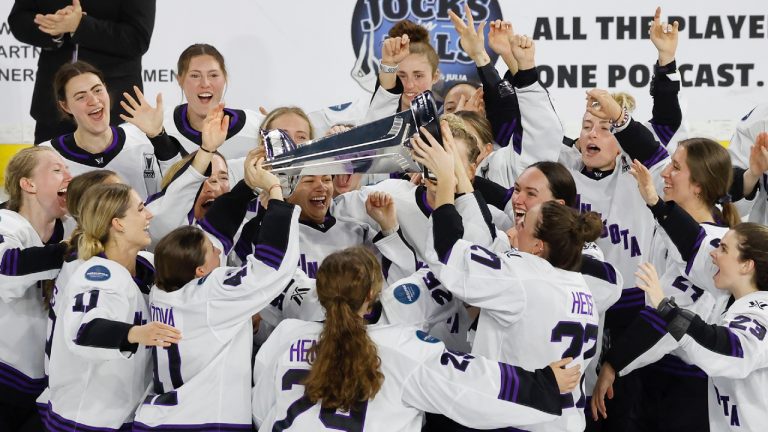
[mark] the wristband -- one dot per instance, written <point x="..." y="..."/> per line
<point x="393" y="230"/>
<point x="388" y="69"/>
<point x="621" y="121"/>
<point x="162" y="132"/>
<point x="206" y="150"/>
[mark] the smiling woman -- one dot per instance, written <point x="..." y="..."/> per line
<point x="84" y="98"/>
<point x="203" y="78"/>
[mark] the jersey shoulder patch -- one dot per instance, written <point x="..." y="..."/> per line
<point x="426" y="337"/>
<point x="97" y="273"/>
<point x="407" y="293"/>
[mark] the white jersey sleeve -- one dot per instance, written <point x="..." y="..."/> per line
<point x="735" y="348"/>
<point x="24" y="260"/>
<point x="483" y="279"/>
<point x="171" y="206"/>
<point x="233" y="293"/>
<point x="98" y="312"/>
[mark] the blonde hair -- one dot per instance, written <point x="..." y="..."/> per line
<point x="174" y="169"/>
<point x="99" y="206"/>
<point x="625" y="100"/>
<point x="279" y="112"/>
<point x="21" y="165"/>
<point x="460" y="131"/>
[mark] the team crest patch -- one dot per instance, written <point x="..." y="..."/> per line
<point x="97" y="273"/>
<point x="426" y="337"/>
<point x="407" y="293"/>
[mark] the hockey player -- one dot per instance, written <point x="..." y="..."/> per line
<point x="695" y="183"/>
<point x="523" y="131"/>
<point x="202" y="76"/>
<point x="31" y="230"/>
<point x="136" y="158"/>
<point x="98" y="372"/>
<point x="511" y="290"/>
<point x="203" y="382"/>
<point x="732" y="351"/>
<point x="342" y="374"/>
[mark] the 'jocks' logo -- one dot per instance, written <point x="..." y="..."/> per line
<point x="372" y="19"/>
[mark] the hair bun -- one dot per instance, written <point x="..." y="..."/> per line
<point x="416" y="33"/>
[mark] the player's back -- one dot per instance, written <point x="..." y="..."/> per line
<point x="419" y="374"/>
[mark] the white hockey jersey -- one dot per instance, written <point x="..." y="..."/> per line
<point x="413" y="213"/>
<point x="130" y="155"/>
<point x="530" y="313"/>
<point x="420" y="374"/>
<point x="242" y="137"/>
<point x="541" y="127"/>
<point x="24" y="262"/>
<point x="96" y="378"/>
<point x="203" y="382"/>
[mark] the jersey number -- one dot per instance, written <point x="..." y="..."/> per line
<point x="740" y="322"/>
<point x="351" y="422"/>
<point x="579" y="334"/>
<point x="174" y="366"/>
<point x="683" y="284"/>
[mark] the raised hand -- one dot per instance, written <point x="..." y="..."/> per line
<point x="499" y="40"/>
<point x="65" y="20"/>
<point x="524" y="51"/>
<point x="337" y="129"/>
<point x="644" y="182"/>
<point x="648" y="281"/>
<point x="472" y="39"/>
<point x="474" y="103"/>
<point x="215" y="128"/>
<point x="438" y="158"/>
<point x="257" y="177"/>
<point x="567" y="379"/>
<point x="141" y="114"/>
<point x="395" y="50"/>
<point x="154" y="333"/>
<point x="381" y="207"/>
<point x="664" y="37"/>
<point x="601" y="104"/>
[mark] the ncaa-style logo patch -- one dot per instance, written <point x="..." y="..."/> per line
<point x="407" y="293"/>
<point x="426" y="337"/>
<point x="97" y="273"/>
<point x="372" y="19"/>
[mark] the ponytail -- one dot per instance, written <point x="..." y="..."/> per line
<point x="99" y="206"/>
<point x="346" y="368"/>
<point x="730" y="214"/>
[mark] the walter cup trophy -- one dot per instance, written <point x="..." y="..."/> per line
<point x="379" y="147"/>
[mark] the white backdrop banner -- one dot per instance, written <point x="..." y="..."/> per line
<point x="321" y="53"/>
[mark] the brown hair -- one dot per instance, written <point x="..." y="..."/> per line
<point x="479" y="123"/>
<point x="419" y="41"/>
<point x="753" y="245"/>
<point x="21" y="165"/>
<point x="345" y="361"/>
<point x="565" y="230"/>
<point x="177" y="256"/>
<point x="192" y="51"/>
<point x="710" y="167"/>
<point x="460" y="131"/>
<point x="266" y="124"/>
<point x="66" y="72"/>
<point x="561" y="183"/>
<point x="100" y="205"/>
<point x="75" y="191"/>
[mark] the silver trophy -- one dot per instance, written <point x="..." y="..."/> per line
<point x="379" y="147"/>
